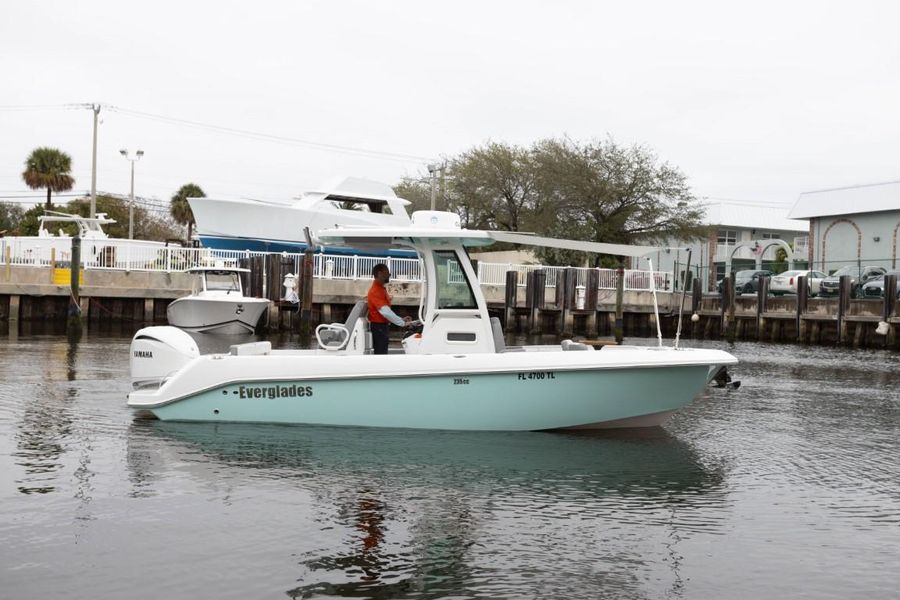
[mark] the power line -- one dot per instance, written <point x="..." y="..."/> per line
<point x="272" y="137"/>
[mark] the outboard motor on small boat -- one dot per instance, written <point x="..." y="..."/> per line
<point x="157" y="352"/>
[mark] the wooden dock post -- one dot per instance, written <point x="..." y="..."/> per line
<point x="511" y="301"/>
<point x="591" y="296"/>
<point x="306" y="300"/>
<point x="619" y="328"/>
<point x="52" y="263"/>
<point x="729" y="324"/>
<point x="149" y="310"/>
<point x="843" y="305"/>
<point x="762" y="298"/>
<point x="74" y="314"/>
<point x="538" y="290"/>
<point x="14" y="307"/>
<point x="890" y="303"/>
<point x="802" y="301"/>
<point x="567" y="303"/>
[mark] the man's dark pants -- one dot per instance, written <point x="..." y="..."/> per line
<point x="379" y="337"/>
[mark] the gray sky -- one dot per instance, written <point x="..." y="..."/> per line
<point x="757" y="103"/>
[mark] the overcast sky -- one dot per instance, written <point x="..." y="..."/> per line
<point x="757" y="103"/>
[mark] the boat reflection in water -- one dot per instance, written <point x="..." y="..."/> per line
<point x="436" y="513"/>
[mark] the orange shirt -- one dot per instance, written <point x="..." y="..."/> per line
<point x="377" y="297"/>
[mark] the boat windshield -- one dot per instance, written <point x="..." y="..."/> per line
<point x="453" y="287"/>
<point x="222" y="281"/>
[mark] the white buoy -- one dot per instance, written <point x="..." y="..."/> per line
<point x="882" y="328"/>
<point x="695" y="318"/>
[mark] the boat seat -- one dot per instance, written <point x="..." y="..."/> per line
<point x="335" y="336"/>
<point x="569" y="345"/>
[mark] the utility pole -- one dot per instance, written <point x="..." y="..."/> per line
<point x="96" y="109"/>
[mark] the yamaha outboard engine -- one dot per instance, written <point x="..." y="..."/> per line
<point x="157" y="352"/>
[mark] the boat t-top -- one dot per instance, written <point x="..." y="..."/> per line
<point x="458" y="373"/>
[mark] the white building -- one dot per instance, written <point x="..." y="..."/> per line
<point x="734" y="226"/>
<point x="854" y="225"/>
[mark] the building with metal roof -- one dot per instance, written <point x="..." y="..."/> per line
<point x="854" y="225"/>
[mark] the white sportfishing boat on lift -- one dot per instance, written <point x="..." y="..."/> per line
<point x="270" y="226"/>
<point x="217" y="303"/>
<point x="457" y="373"/>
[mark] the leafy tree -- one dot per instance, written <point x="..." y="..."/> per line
<point x="417" y="190"/>
<point x="603" y="192"/>
<point x="595" y="191"/>
<point x="180" y="208"/>
<point x="10" y="217"/>
<point x="29" y="223"/>
<point x="48" y="168"/>
<point x="146" y="225"/>
<point x="494" y="187"/>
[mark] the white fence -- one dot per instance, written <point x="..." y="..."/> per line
<point x="136" y="255"/>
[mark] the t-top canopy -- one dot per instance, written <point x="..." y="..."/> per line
<point x="436" y="226"/>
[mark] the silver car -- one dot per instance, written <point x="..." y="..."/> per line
<point x="786" y="283"/>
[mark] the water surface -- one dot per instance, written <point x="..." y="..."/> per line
<point x="788" y="487"/>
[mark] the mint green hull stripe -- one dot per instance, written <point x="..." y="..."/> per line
<point x="492" y="402"/>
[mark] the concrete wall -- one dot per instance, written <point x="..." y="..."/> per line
<point x="850" y="239"/>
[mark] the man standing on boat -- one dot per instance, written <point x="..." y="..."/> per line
<point x="380" y="313"/>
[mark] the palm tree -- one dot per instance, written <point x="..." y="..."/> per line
<point x="48" y="168"/>
<point x="181" y="209"/>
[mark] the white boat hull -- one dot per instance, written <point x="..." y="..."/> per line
<point x="518" y="391"/>
<point x="216" y="315"/>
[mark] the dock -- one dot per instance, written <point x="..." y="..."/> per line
<point x="590" y="303"/>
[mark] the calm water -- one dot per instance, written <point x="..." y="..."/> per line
<point x="788" y="487"/>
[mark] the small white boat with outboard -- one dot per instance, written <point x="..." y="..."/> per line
<point x="458" y="373"/>
<point x="217" y="303"/>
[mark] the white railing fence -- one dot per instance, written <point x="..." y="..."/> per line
<point x="136" y="255"/>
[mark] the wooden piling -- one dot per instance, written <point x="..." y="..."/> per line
<point x="74" y="318"/>
<point x="762" y="297"/>
<point x="511" y="300"/>
<point x="843" y="305"/>
<point x="729" y="325"/>
<point x="14" y="307"/>
<point x="591" y="296"/>
<point x="802" y="301"/>
<point x="306" y="300"/>
<point x="538" y="288"/>
<point x="567" y="303"/>
<point x="619" y="324"/>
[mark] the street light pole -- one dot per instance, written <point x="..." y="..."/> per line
<point x="137" y="156"/>
<point x="96" y="109"/>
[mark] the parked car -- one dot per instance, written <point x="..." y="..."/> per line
<point x="859" y="276"/>
<point x="874" y="288"/>
<point x="786" y="283"/>
<point x="746" y="282"/>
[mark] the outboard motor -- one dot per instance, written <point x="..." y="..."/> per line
<point x="157" y="352"/>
